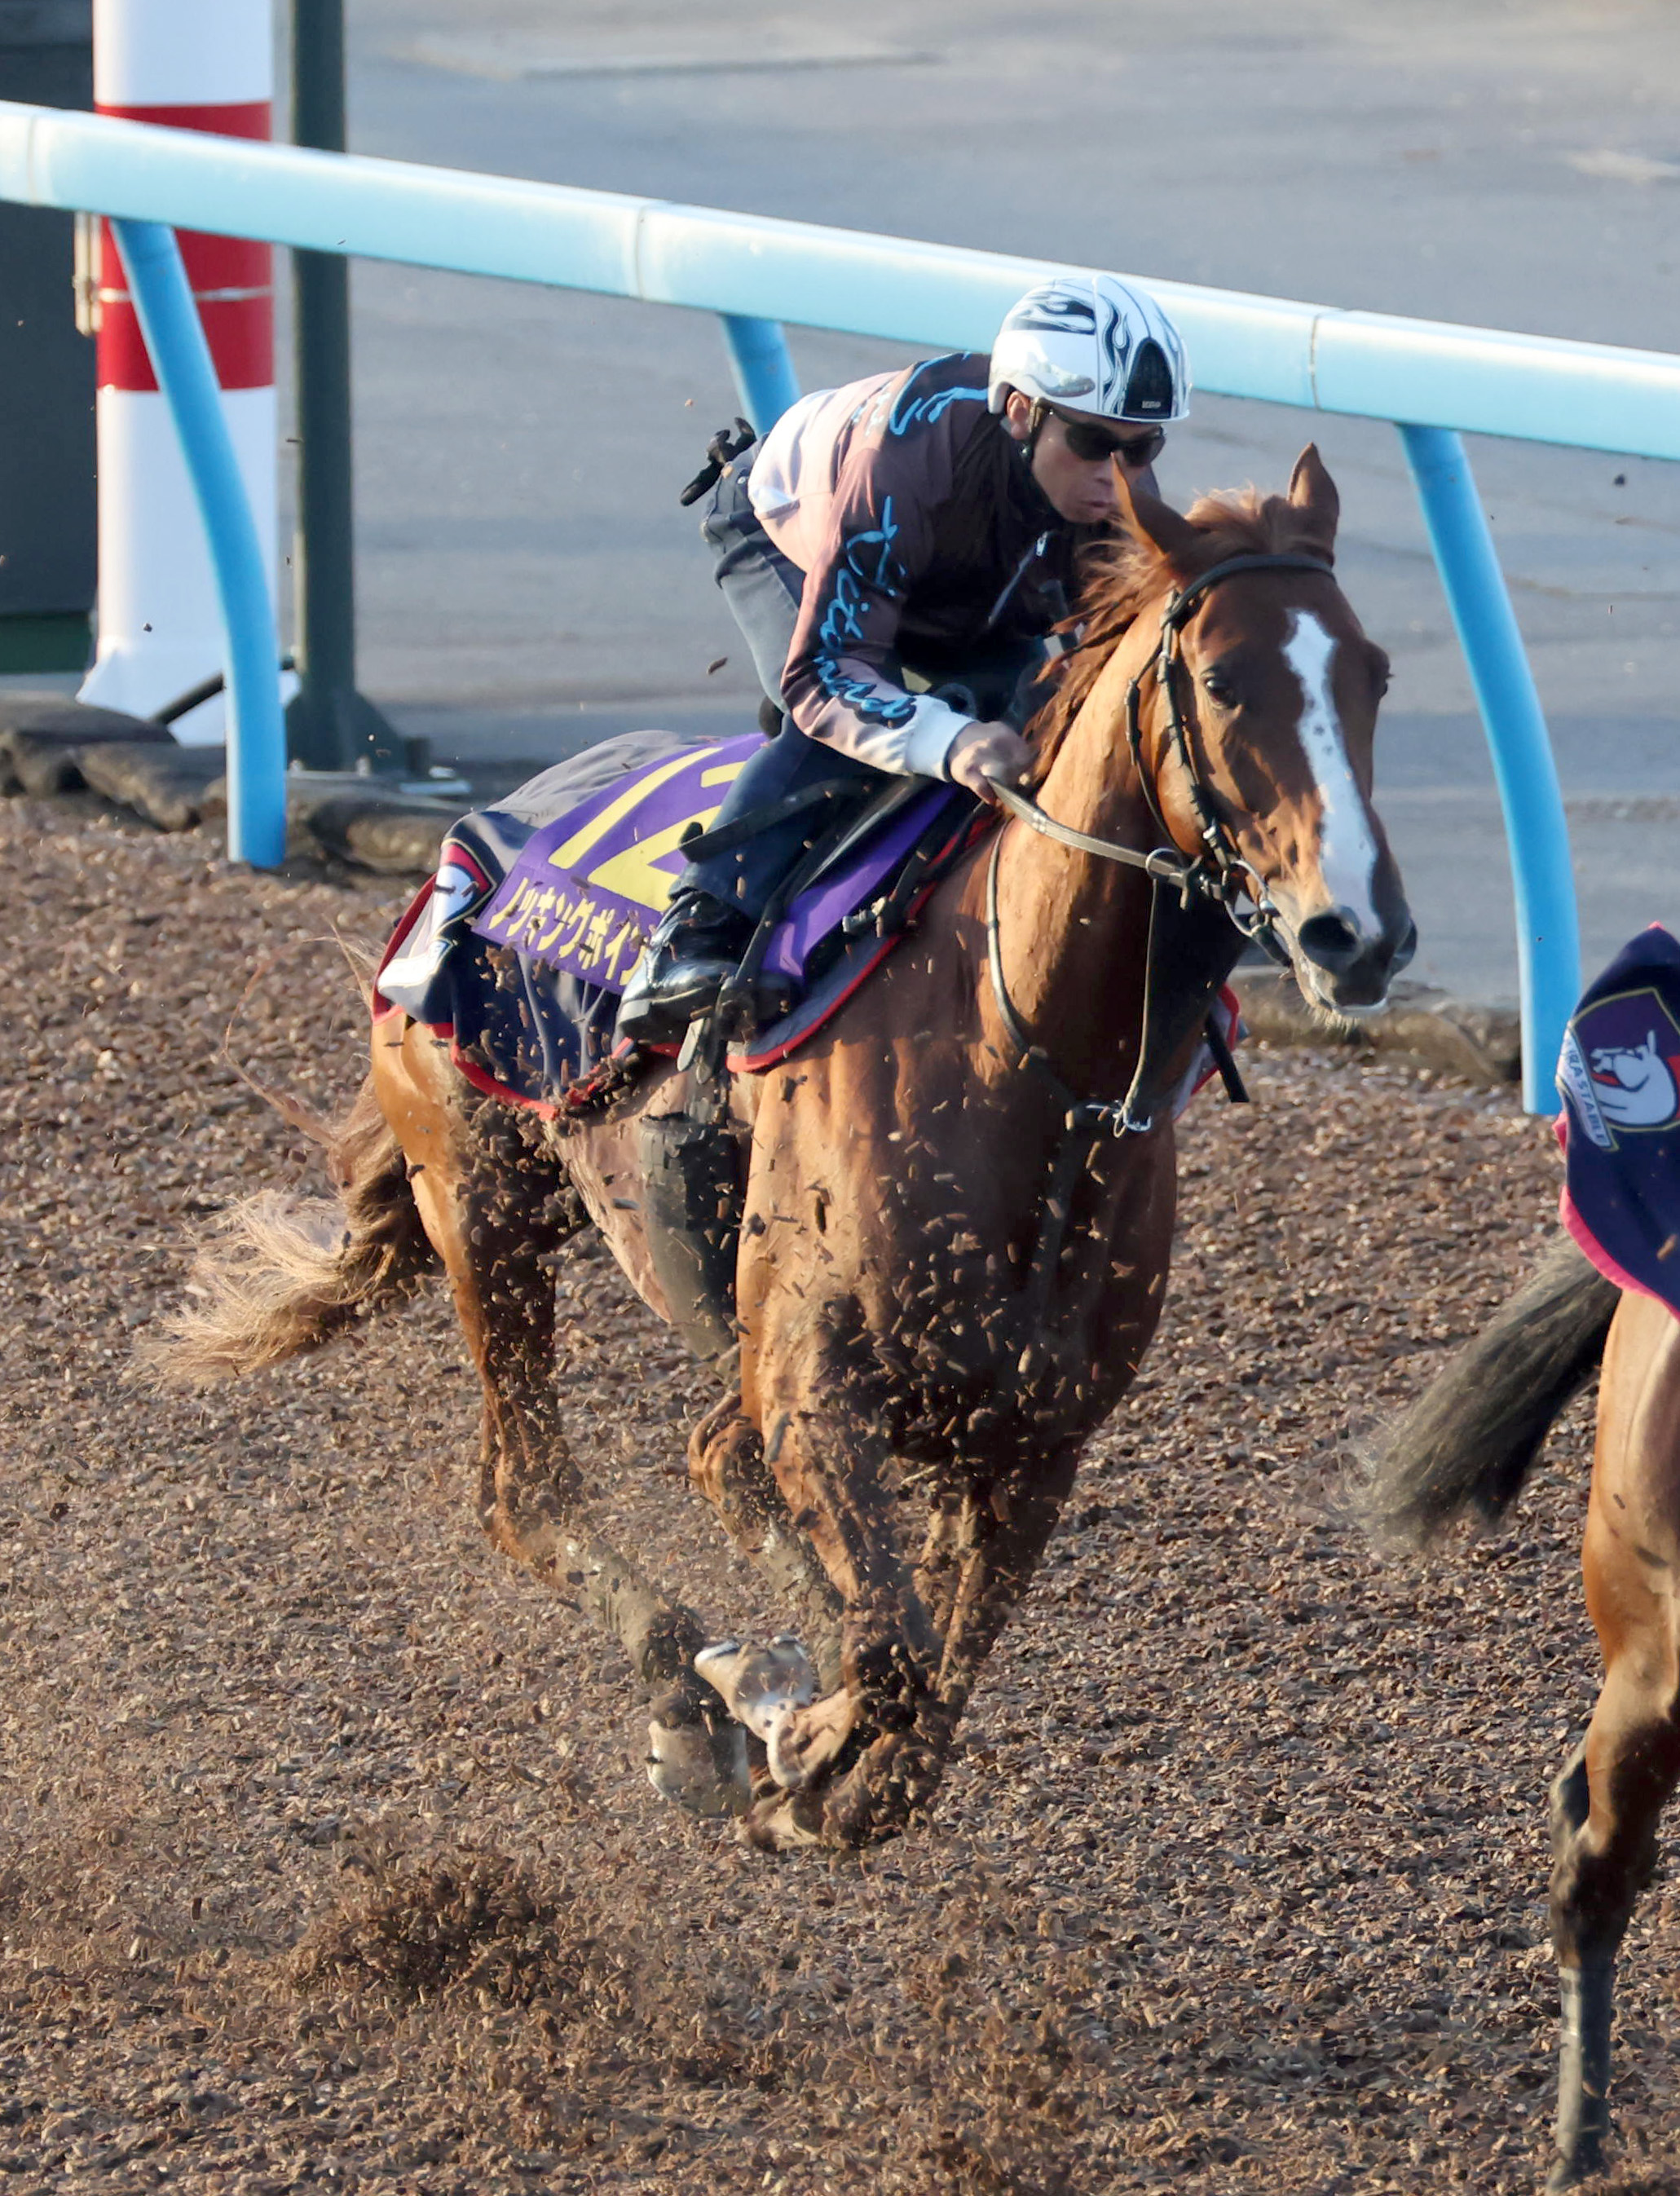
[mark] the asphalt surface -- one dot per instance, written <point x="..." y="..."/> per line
<point x="527" y="578"/>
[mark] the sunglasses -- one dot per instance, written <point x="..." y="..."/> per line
<point x="1089" y="444"/>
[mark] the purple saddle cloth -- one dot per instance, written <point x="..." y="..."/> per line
<point x="587" y="888"/>
<point x="522" y="942"/>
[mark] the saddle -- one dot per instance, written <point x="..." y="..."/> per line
<point x="518" y="948"/>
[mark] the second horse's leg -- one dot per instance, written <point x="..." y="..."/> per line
<point x="1606" y="1804"/>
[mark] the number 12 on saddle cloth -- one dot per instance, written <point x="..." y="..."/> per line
<point x="589" y="885"/>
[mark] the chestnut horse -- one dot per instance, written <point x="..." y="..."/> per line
<point x="948" y="1269"/>
<point x="1467" y="1445"/>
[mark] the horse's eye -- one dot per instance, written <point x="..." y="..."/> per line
<point x="1220" y="689"/>
<point x="1380" y="673"/>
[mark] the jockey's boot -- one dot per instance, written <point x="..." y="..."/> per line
<point x="695" y="949"/>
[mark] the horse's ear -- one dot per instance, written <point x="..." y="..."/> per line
<point x="1147" y="518"/>
<point x="1312" y="492"/>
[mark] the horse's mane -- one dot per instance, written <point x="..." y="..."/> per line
<point x="1118" y="577"/>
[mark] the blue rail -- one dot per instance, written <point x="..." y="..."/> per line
<point x="1434" y="379"/>
<point x="1474" y="380"/>
<point x="764" y="372"/>
<point x="1548" y="932"/>
<point x="175" y="337"/>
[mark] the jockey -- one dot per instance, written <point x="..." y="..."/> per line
<point x="913" y="529"/>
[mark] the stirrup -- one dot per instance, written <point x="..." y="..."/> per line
<point x="658" y="1011"/>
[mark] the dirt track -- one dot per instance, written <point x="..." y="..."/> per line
<point x="328" y="1855"/>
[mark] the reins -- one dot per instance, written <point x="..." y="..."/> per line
<point x="1217" y="875"/>
<point x="1165" y="863"/>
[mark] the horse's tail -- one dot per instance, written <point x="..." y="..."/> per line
<point x="276" y="1275"/>
<point x="1471" y="1439"/>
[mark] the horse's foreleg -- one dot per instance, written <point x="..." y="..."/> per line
<point x="726" y="1463"/>
<point x="945" y="1549"/>
<point x="1606" y="1804"/>
<point x="859" y="1761"/>
<point x="1009" y="1522"/>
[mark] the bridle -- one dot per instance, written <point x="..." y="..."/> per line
<point x="1219" y="874"/>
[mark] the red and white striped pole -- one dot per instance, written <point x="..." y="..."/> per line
<point x="188" y="65"/>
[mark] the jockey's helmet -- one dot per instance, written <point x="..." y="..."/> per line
<point x="1093" y="343"/>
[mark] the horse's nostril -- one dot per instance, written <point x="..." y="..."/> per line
<point x="1331" y="941"/>
<point x="1406" y="952"/>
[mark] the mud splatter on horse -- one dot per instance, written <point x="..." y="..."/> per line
<point x="959" y="1197"/>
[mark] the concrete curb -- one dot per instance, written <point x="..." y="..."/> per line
<point x="1483" y="1044"/>
<point x="41" y="741"/>
<point x="175" y="787"/>
<point x="51" y="745"/>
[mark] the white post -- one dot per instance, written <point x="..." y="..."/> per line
<point x="188" y="65"/>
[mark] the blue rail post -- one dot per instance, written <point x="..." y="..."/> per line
<point x="180" y="359"/>
<point x="1548" y="931"/>
<point x="764" y="367"/>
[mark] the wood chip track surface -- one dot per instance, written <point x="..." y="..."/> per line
<point x="327" y="1859"/>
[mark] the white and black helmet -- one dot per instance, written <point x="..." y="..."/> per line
<point x="1093" y="343"/>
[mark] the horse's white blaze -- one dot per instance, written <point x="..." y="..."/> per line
<point x="1347" y="850"/>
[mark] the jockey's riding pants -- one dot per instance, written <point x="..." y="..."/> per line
<point x="763" y="589"/>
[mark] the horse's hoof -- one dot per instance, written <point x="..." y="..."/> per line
<point x="785" y="1822"/>
<point x="801" y="1745"/>
<point x="760" y="1686"/>
<point x="891" y="1785"/>
<point x="698" y="1761"/>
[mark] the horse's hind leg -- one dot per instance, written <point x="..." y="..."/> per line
<point x="496" y="1204"/>
<point x="491" y="1202"/>
<point x="1606" y="1804"/>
